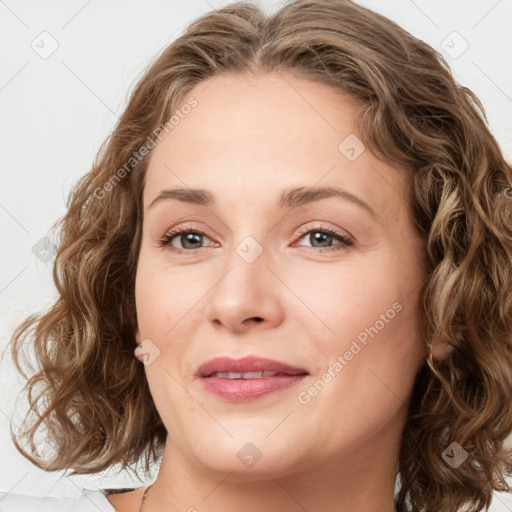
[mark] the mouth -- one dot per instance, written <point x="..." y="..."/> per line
<point x="239" y="380"/>
<point x="248" y="375"/>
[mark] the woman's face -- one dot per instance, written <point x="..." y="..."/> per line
<point x="263" y="278"/>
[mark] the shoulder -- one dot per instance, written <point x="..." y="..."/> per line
<point x="90" y="500"/>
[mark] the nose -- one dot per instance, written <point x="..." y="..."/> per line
<point x="248" y="296"/>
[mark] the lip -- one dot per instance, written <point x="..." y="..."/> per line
<point x="246" y="364"/>
<point x="241" y="390"/>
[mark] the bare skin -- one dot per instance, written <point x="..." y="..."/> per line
<point x="249" y="138"/>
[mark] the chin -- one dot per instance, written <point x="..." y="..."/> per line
<point x="248" y="460"/>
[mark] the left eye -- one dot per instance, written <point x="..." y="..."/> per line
<point x="326" y="236"/>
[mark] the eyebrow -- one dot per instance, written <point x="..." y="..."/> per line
<point x="290" y="198"/>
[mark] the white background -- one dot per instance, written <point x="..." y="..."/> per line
<point x="57" y="111"/>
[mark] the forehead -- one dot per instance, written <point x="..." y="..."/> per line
<point x="251" y="136"/>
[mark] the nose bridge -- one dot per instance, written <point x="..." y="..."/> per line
<point x="246" y="289"/>
<point x="246" y="275"/>
<point x="250" y="241"/>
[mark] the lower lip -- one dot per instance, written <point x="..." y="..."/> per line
<point x="242" y="390"/>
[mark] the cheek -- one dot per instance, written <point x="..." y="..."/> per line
<point x="164" y="294"/>
<point x="164" y="302"/>
<point x="370" y="314"/>
<point x="350" y="299"/>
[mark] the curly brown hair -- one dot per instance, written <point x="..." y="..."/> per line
<point x="93" y="396"/>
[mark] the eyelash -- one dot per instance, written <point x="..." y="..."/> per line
<point x="344" y="240"/>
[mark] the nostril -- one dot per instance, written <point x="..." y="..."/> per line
<point x="258" y="319"/>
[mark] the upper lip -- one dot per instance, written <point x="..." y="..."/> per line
<point x="246" y="364"/>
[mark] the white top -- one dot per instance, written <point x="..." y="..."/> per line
<point x="91" y="500"/>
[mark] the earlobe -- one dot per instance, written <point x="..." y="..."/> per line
<point x="137" y="336"/>
<point x="442" y="349"/>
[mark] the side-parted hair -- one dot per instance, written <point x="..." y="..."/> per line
<point x="89" y="390"/>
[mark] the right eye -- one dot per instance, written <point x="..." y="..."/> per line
<point x="188" y="237"/>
